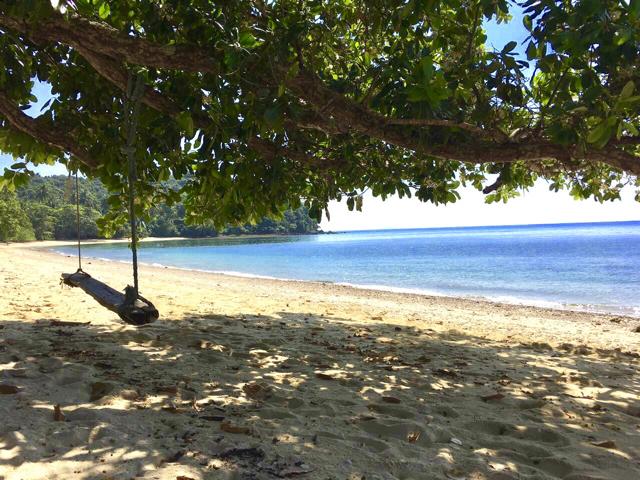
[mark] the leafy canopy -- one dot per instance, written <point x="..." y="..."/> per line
<point x="263" y="106"/>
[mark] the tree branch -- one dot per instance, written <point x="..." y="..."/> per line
<point x="493" y="187"/>
<point x="99" y="36"/>
<point x="88" y="39"/>
<point x="437" y="122"/>
<point x="270" y="150"/>
<point x="359" y="119"/>
<point x="116" y="73"/>
<point x="46" y="134"/>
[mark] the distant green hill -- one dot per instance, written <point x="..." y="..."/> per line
<point x="44" y="209"/>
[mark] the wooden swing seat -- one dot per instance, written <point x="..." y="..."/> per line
<point x="133" y="309"/>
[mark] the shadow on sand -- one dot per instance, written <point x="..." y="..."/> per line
<point x="308" y="397"/>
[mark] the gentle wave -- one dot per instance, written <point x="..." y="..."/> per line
<point x="102" y="259"/>
<point x="503" y="299"/>
<point x="386" y="288"/>
<point x="230" y="273"/>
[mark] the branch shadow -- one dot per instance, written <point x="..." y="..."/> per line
<point x="295" y="395"/>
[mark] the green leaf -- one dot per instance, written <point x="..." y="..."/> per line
<point x="597" y="133"/>
<point x="624" y="36"/>
<point x="350" y="204"/>
<point x="104" y="11"/>
<point x="185" y="122"/>
<point x="273" y="117"/>
<point x="426" y="68"/>
<point x="532" y="51"/>
<point x="627" y="90"/>
<point x="509" y="47"/>
<point x="628" y="102"/>
<point x="231" y="58"/>
<point x="248" y="40"/>
<point x="601" y="134"/>
<point x="163" y="175"/>
<point x="406" y="10"/>
<point x="417" y="94"/>
<point x="631" y="128"/>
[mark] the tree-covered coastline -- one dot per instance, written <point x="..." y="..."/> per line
<point x="44" y="209"/>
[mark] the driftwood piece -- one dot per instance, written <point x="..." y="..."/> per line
<point x="136" y="311"/>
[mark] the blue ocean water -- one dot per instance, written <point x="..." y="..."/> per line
<point x="592" y="266"/>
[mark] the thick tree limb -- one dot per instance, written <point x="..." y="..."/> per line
<point x="99" y="36"/>
<point x="361" y="120"/>
<point x="437" y="122"/>
<point x="115" y="72"/>
<point x="46" y="134"/>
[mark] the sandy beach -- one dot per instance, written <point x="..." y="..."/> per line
<point x="247" y="378"/>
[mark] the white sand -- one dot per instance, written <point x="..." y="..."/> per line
<point x="245" y="378"/>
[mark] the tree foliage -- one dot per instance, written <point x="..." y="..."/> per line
<point x="267" y="105"/>
<point x="45" y="209"/>
<point x="14" y="223"/>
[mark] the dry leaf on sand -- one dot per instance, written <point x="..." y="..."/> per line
<point x="257" y="391"/>
<point x="231" y="428"/>
<point x="6" y="389"/>
<point x="391" y="400"/>
<point x="58" y="416"/>
<point x="606" y="444"/>
<point x="492" y="397"/>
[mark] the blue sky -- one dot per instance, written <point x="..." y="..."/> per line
<point x="536" y="206"/>
<point x="498" y="35"/>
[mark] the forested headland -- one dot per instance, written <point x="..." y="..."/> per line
<point x="45" y="209"/>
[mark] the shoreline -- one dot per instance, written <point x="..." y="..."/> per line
<point x="502" y="300"/>
<point x="450" y="303"/>
<point x="100" y="241"/>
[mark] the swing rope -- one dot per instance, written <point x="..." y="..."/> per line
<point x="131" y="307"/>
<point x="135" y="90"/>
<point x="78" y="223"/>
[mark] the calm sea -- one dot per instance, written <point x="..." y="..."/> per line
<point x="592" y="266"/>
